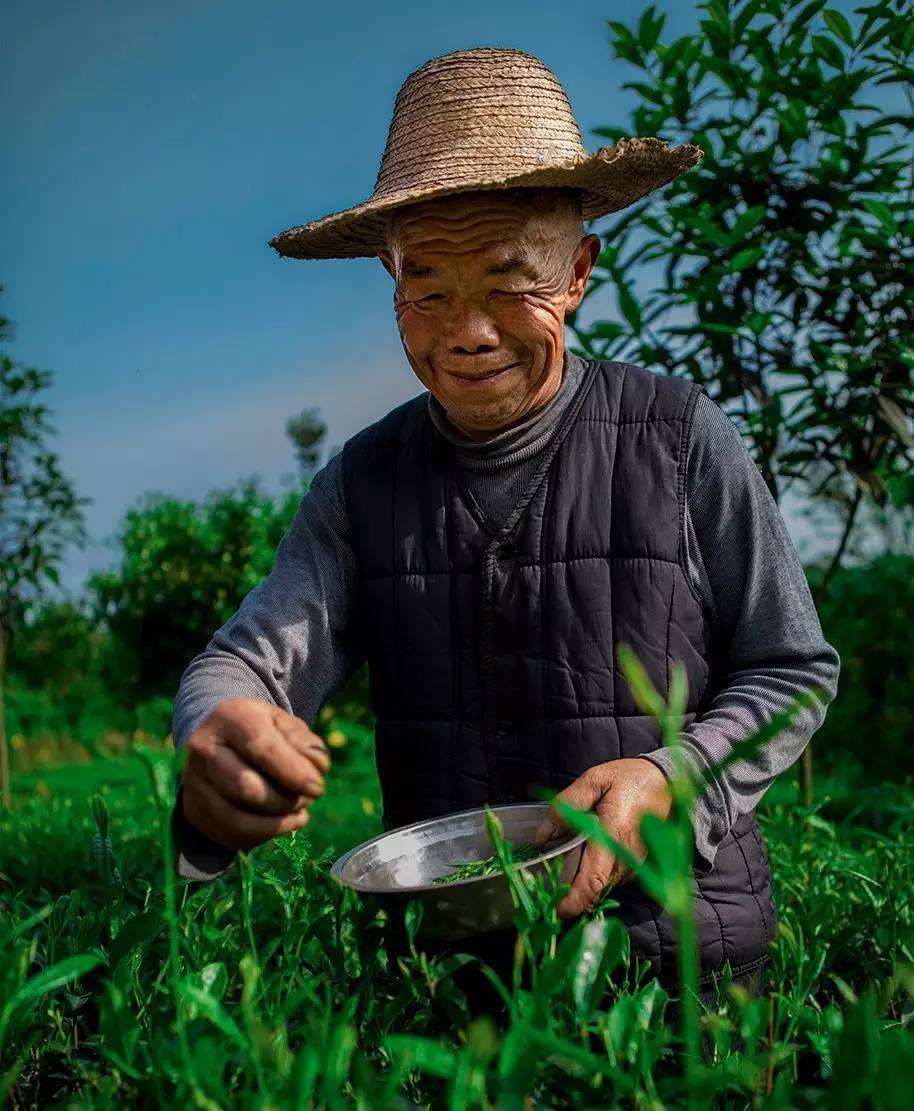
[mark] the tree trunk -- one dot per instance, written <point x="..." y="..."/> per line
<point x="4" y="748"/>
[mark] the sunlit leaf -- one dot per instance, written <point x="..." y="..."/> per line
<point x="838" y="24"/>
<point x="604" y="946"/>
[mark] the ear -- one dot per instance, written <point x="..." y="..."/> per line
<point x="585" y="258"/>
<point x="388" y="263"/>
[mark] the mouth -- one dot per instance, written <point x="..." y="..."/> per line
<point x="474" y="379"/>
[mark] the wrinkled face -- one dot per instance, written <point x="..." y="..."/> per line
<point x="483" y="283"/>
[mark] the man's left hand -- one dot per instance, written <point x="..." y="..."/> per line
<point x="619" y="792"/>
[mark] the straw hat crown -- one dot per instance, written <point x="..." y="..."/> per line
<point x="486" y="118"/>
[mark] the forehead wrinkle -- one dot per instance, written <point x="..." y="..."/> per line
<point x="499" y="242"/>
<point x="452" y="228"/>
<point x="455" y="210"/>
<point x="478" y="229"/>
<point x="450" y="218"/>
<point x="549" y="204"/>
<point x="499" y="247"/>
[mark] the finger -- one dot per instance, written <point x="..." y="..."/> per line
<point x="221" y="821"/>
<point x="621" y="874"/>
<point x="234" y="719"/>
<point x="545" y="831"/>
<point x="268" y="750"/>
<point x="582" y="795"/>
<point x="246" y="787"/>
<point x="237" y="720"/>
<point x="303" y="739"/>
<point x="591" y="880"/>
<point x="621" y="818"/>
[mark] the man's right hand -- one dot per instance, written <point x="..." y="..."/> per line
<point x="252" y="771"/>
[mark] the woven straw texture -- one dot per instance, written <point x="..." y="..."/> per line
<point x="486" y="118"/>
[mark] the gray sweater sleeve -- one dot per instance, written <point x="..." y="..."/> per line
<point x="748" y="574"/>
<point x="287" y="644"/>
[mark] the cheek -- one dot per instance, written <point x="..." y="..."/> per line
<point x="531" y="319"/>
<point x="417" y="329"/>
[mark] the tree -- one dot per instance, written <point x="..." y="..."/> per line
<point x="787" y="254"/>
<point x="54" y="647"/>
<point x="307" y="432"/>
<point x="64" y="677"/>
<point x="40" y="514"/>
<point x="185" y="568"/>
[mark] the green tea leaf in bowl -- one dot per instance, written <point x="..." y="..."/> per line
<point x="471" y="869"/>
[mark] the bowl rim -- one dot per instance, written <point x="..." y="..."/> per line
<point x="341" y="861"/>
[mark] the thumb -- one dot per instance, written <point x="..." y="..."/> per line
<point x="582" y="795"/>
<point x="545" y="831"/>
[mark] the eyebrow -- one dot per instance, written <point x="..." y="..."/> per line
<point x="506" y="266"/>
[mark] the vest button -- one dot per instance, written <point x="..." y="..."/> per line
<point x="503" y="729"/>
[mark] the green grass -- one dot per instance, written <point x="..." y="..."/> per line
<point x="273" y="988"/>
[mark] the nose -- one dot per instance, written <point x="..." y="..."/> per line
<point x="471" y="331"/>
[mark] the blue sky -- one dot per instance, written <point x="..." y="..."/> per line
<point x="152" y="150"/>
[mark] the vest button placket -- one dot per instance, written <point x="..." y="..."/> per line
<point x="488" y="674"/>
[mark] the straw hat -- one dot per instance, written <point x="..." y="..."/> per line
<point x="486" y="118"/>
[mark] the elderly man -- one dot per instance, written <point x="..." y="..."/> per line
<point x="487" y="545"/>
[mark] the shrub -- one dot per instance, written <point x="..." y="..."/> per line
<point x="867" y="617"/>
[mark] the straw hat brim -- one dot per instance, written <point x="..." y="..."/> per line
<point x="611" y="179"/>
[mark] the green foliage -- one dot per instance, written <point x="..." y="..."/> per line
<point x="785" y="254"/>
<point x="867" y="617"/>
<point x="276" y="987"/>
<point x="40" y="514"/>
<point x="62" y="678"/>
<point x="185" y="568"/>
<point x="56" y="648"/>
<point x="488" y="866"/>
<point x="66" y="679"/>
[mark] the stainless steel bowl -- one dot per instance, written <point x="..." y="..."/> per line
<point x="401" y="864"/>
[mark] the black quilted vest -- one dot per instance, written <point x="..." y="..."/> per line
<point x="492" y="651"/>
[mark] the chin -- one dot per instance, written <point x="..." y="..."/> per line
<point x="488" y="422"/>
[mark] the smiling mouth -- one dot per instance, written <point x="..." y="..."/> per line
<point x="482" y="377"/>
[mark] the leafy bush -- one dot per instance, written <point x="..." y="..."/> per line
<point x="66" y="684"/>
<point x="867" y="616"/>
<point x="60" y="683"/>
<point x="184" y="570"/>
